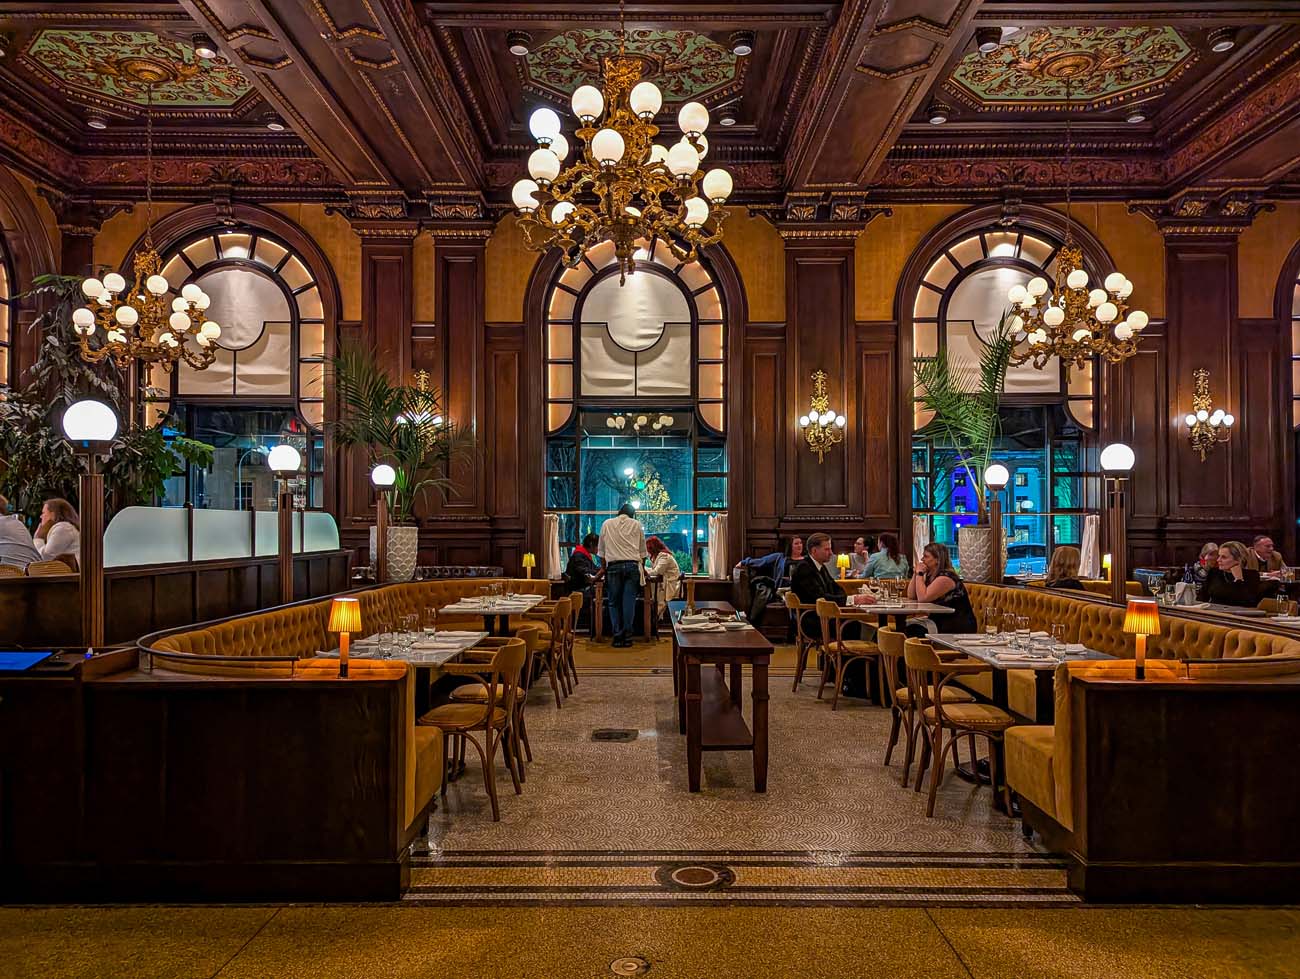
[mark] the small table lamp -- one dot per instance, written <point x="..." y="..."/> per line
<point x="345" y="619"/>
<point x="842" y="562"/>
<point x="1142" y="619"/>
<point x="1105" y="565"/>
<point x="530" y="562"/>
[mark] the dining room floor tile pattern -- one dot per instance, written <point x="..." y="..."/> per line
<point x="603" y="822"/>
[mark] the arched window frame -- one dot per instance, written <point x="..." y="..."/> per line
<point x="8" y="316"/>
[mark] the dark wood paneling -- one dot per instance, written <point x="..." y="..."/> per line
<point x="1264" y="424"/>
<point x="876" y="426"/>
<point x="506" y="412"/>
<point x="1144" y="424"/>
<point x="765" y="426"/>
<point x="459" y="294"/>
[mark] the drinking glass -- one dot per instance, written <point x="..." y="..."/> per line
<point x="430" y="620"/>
<point x="410" y="623"/>
<point x="990" y="620"/>
<point x="1022" y="631"/>
<point x="384" y="645"/>
<point x="1058" y="641"/>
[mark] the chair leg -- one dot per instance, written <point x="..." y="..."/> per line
<point x="927" y="749"/>
<point x="800" y="661"/>
<point x="555" y="682"/>
<point x="489" y="773"/>
<point x="897" y="722"/>
<point x="825" y="666"/>
<point x="910" y="721"/>
<point x="446" y="764"/>
<point x="523" y="735"/>
<point x="936" y="773"/>
<point x="839" y="680"/>
<point x="510" y="755"/>
<point x="995" y="768"/>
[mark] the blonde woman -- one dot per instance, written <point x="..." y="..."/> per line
<point x="1064" y="569"/>
<point x="1231" y="582"/>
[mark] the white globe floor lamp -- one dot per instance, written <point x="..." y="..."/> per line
<point x="1117" y="461"/>
<point x="284" y="460"/>
<point x="91" y="427"/>
<point x="383" y="476"/>
<point x="996" y="477"/>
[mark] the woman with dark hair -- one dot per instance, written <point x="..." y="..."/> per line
<point x="58" y="538"/>
<point x="938" y="583"/>
<point x="889" y="561"/>
<point x="582" y="571"/>
<point x="663" y="563"/>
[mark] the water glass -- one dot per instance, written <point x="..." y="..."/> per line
<point x="430" y="620"/>
<point x="990" y="620"/>
<point x="1058" y="641"/>
<point x="384" y="645"/>
<point x="1022" y="631"/>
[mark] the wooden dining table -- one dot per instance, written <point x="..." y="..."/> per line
<point x="709" y="702"/>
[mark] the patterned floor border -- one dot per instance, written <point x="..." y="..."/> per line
<point x="860" y="878"/>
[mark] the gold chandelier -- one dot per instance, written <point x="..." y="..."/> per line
<point x="1065" y="318"/>
<point x="823" y="427"/>
<point x="139" y="324"/>
<point x="625" y="188"/>
<point x="1207" y="425"/>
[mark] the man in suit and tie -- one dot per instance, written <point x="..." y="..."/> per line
<point x="812" y="579"/>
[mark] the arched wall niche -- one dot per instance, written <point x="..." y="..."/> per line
<point x="26" y="252"/>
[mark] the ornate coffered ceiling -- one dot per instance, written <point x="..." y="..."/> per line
<point x="1084" y="66"/>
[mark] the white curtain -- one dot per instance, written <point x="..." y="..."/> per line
<point x="718" y="566"/>
<point x="920" y="537"/>
<point x="551" y="566"/>
<point x="1089" y="558"/>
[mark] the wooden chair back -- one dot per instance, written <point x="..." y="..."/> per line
<point x="47" y="569"/>
<point x="891" y="643"/>
<point x="921" y="662"/>
<point x="9" y="571"/>
<point x="829" y="613"/>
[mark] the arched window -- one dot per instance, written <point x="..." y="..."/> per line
<point x="267" y="383"/>
<point x="8" y="309"/>
<point x="1295" y="352"/>
<point x="1046" y="414"/>
<point x="635" y="397"/>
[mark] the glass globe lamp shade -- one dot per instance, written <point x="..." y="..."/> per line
<point x="1017" y="324"/>
<point x="115" y="336"/>
<point x="683" y="160"/>
<point x="92" y="288"/>
<point x="179" y="305"/>
<point x="1107" y="312"/>
<point x="1190" y="420"/>
<point x="717" y="184"/>
<point x="1117" y="458"/>
<point x="522" y="195"/>
<point x="1115" y="281"/>
<point x="646" y="99"/>
<point x="697" y="212"/>
<point x="607" y="147"/>
<point x="127" y="315"/>
<point x="211" y="330"/>
<point x="544" y="124"/>
<point x="179" y="322"/>
<point x="804" y="421"/>
<point x="1081" y="334"/>
<point x="587" y="103"/>
<point x="559" y="146"/>
<point x="105" y="298"/>
<point x="693" y="118"/>
<point x="658" y="153"/>
<point x="1202" y="415"/>
<point x="191" y="292"/>
<point x="840" y="421"/>
<point x="114" y="282"/>
<point x="561" y="211"/>
<point x="1037" y="286"/>
<point x="284" y="459"/>
<point x="1053" y="316"/>
<point x="1123" y="332"/>
<point x="1038" y="336"/>
<point x="203" y="302"/>
<point x="1096" y="298"/>
<point x="1229" y="419"/>
<point x="165" y="339"/>
<point x="1017" y="294"/>
<point x="83" y="317"/>
<point x="827" y="417"/>
<point x="543" y="165"/>
<point x="1077" y="279"/>
<point x="996" y="476"/>
<point x="89" y="421"/>
<point x="1125" y="290"/>
<point x="157" y="285"/>
<point x="1217" y="417"/>
<point x="383" y="475"/>
<point x="1137" y="319"/>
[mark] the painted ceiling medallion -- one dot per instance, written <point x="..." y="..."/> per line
<point x="684" y="65"/>
<point x="121" y="65"/>
<point x="1101" y="65"/>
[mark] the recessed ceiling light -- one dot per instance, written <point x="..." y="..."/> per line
<point x="988" y="39"/>
<point x="96" y="122"/>
<point x="1136" y="116"/>
<point x="519" y="42"/>
<point x="727" y="120"/>
<point x="203" y="46"/>
<point x="1222" y="39"/>
<point x="742" y="43"/>
<point x="937" y="112"/>
<point x="272" y="122"/>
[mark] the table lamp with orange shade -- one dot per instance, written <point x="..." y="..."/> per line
<point x="1142" y="619"/>
<point x="345" y="619"/>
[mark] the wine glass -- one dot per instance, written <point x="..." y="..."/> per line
<point x="1058" y="641"/>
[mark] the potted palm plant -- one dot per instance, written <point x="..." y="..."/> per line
<point x="402" y="425"/>
<point x="964" y="399"/>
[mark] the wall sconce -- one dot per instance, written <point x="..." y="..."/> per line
<point x="822" y="427"/>
<point x="1207" y="425"/>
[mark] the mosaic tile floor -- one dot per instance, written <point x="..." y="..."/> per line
<point x="606" y="822"/>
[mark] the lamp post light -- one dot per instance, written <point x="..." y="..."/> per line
<point x="91" y="426"/>
<point x="996" y="477"/>
<point x="383" y="476"/>
<point x="285" y="461"/>
<point x="1117" y="461"/>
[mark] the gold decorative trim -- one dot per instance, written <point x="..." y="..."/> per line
<point x="352" y="30"/>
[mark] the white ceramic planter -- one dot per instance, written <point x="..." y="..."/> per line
<point x="975" y="553"/>
<point x="403" y="544"/>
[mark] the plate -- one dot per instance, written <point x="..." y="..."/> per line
<point x="735" y="626"/>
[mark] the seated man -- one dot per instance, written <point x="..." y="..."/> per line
<point x="1263" y="556"/>
<point x="16" y="547"/>
<point x="812" y="579"/>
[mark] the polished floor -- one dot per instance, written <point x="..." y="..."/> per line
<point x="607" y="866"/>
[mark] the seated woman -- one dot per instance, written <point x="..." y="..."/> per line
<point x="770" y="573"/>
<point x="938" y="583"/>
<point x="887" y="562"/>
<point x="582" y="570"/>
<point x="1206" y="562"/>
<point x="1231" y="582"/>
<point x="1064" y="569"/>
<point x="58" y="538"/>
<point x="663" y="563"/>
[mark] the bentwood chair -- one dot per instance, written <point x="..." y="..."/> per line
<point x="491" y="720"/>
<point x="47" y="569"/>
<point x="838" y="652"/>
<point x="477" y="693"/>
<point x="804" y="642"/>
<point x="1278" y="606"/>
<point x="555" y="622"/>
<point x="576" y="600"/>
<point x="904" y="715"/>
<point x="944" y="723"/>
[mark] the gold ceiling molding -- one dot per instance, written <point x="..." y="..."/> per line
<point x="352" y="30"/>
<point x="920" y="23"/>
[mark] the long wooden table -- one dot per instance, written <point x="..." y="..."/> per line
<point x="708" y="706"/>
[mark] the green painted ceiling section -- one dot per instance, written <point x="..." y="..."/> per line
<point x="1089" y="64"/>
<point x="99" y="62"/>
<point x="684" y="64"/>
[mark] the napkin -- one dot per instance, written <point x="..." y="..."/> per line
<point x="703" y="627"/>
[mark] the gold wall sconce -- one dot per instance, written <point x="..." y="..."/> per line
<point x="1207" y="425"/>
<point x="822" y="427"/>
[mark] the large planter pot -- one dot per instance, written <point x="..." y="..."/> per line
<point x="975" y="553"/>
<point x="403" y="543"/>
